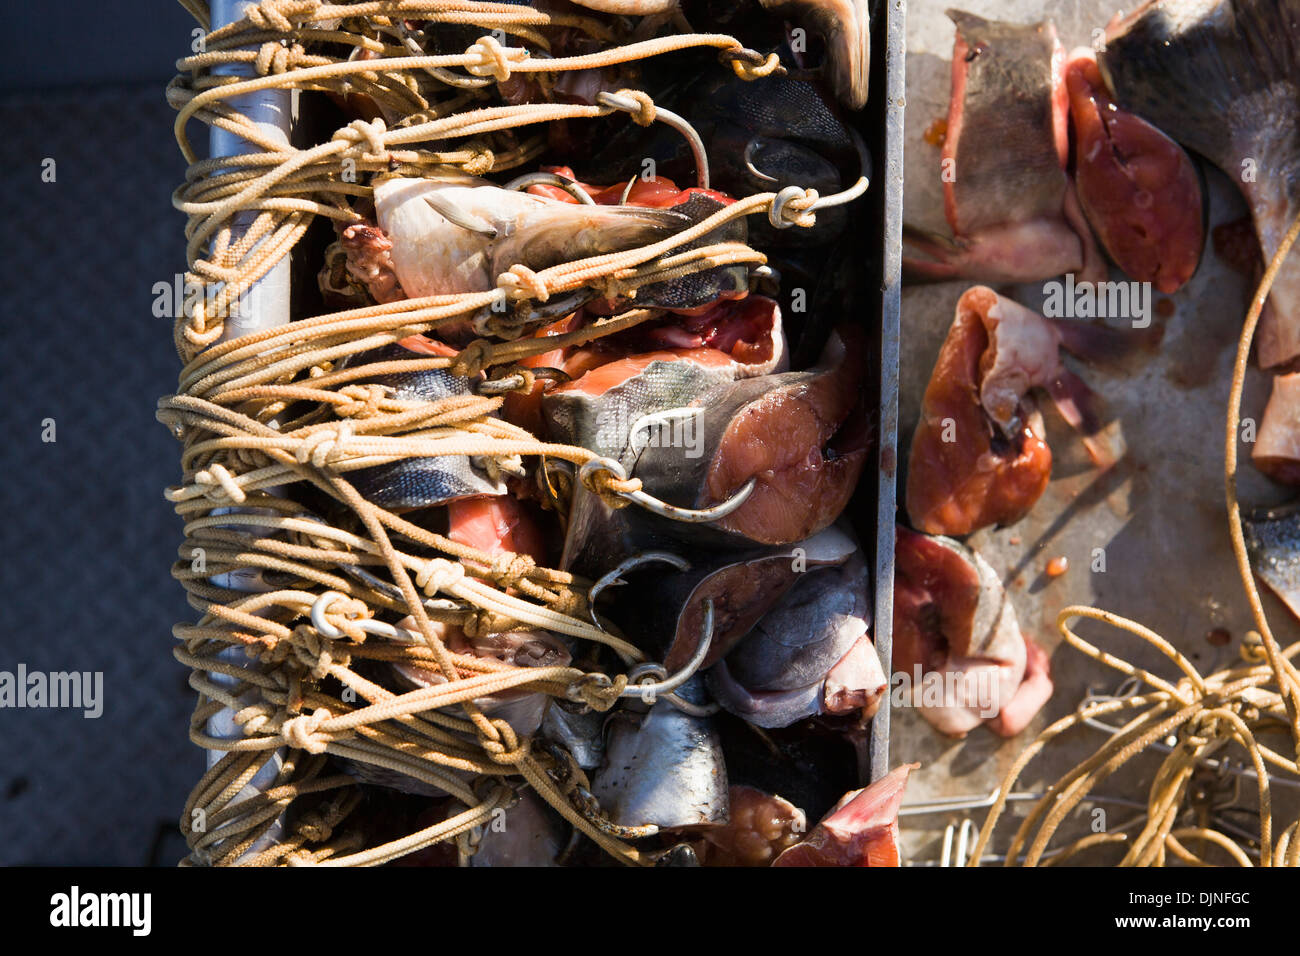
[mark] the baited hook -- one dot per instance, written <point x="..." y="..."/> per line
<point x="679" y="123"/>
<point x="662" y="508"/>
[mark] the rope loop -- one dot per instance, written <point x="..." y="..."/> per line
<point x="301" y="732"/>
<point x="521" y="282"/>
<point x="494" y="60"/>
<point x="371" y="133"/>
<point x="439" y="575"/>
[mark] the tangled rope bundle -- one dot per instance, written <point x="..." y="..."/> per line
<point x="1201" y="716"/>
<point x="238" y="413"/>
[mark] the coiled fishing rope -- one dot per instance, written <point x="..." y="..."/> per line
<point x="1205" y="714"/>
<point x="303" y="699"/>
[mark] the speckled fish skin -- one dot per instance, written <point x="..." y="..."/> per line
<point x="1007" y="148"/>
<point x="1222" y="77"/>
<point x="420" y="482"/>
<point x="1273" y="540"/>
<point x="663" y="767"/>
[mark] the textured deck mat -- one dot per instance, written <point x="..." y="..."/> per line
<point x="87" y="538"/>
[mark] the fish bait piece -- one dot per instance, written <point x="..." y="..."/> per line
<point x="978" y="455"/>
<point x="762" y="826"/>
<point x="663" y="767"/>
<point x="420" y="482"/>
<point x="957" y="640"/>
<point x="1277" y="446"/>
<point x="1007" y="197"/>
<point x="1138" y="188"/>
<point x="808" y="655"/>
<point x="862" y="830"/>
<point x="1223" y="78"/>
<point x="522" y="709"/>
<point x="529" y="833"/>
<point x="457" y="236"/>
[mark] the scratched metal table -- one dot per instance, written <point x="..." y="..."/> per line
<point x="1158" y="516"/>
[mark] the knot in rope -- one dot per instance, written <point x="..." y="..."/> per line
<point x="438" y="574"/>
<point x="485" y="623"/>
<point x="793" y="206"/>
<point x="345" y="614"/>
<point x="569" y="602"/>
<point x="598" y="691"/>
<point x="493" y="59"/>
<point x="219" y="485"/>
<point x="363" y="401"/>
<point x="609" y="486"/>
<point x="275" y="14"/>
<point x="509" y="569"/>
<point x="371" y="133"/>
<point x="254" y="717"/>
<point x="471" y="360"/>
<point x="645" y="112"/>
<point x="521" y="282"/>
<point x="276" y="56"/>
<point x="752" y="65"/>
<point x="197" y="330"/>
<point x="325" y="446"/>
<point x="504" y="746"/>
<point x="300" y="732"/>
<point x="481" y="161"/>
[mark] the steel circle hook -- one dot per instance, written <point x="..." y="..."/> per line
<point x="669" y="118"/>
<point x="662" y="508"/>
<point x="668" y="684"/>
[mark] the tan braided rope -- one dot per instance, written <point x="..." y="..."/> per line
<point x="1208" y="716"/>
<point x="240" y="452"/>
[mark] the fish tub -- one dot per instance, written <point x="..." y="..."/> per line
<point x="873" y="255"/>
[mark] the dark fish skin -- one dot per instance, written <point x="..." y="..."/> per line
<point x="420" y="482"/>
<point x="700" y="288"/>
<point x="1273" y="540"/>
<point x="1222" y="77"/>
<point x="795" y="134"/>
<point x="663" y="614"/>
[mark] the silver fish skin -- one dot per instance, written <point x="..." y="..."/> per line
<point x="663" y="767"/>
<point x="581" y="734"/>
<point x="1273" y="541"/>
<point x="1222" y="77"/>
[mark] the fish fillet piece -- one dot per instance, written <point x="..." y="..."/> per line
<point x="1007" y="196"/>
<point x="861" y="831"/>
<point x="762" y="826"/>
<point x="1138" y="188"/>
<point x="979" y="456"/>
<point x="958" y="642"/>
<point x="1277" y="446"/>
